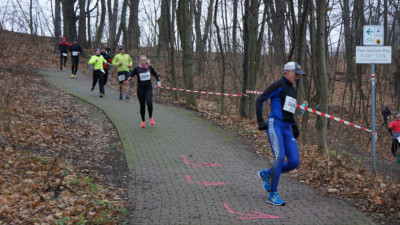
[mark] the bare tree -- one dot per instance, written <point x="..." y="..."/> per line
<point x="221" y="50"/>
<point x="185" y="27"/>
<point x="57" y="24"/>
<point x="322" y="74"/>
<point x="133" y="27"/>
<point x="113" y="27"/>
<point x="163" y="25"/>
<point x="69" y="18"/>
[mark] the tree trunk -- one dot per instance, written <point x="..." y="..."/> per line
<point x="278" y="32"/>
<point x="57" y="24"/>
<point x="185" y="27"/>
<point x="322" y="74"/>
<point x="133" y="29"/>
<point x="69" y="19"/>
<point x="122" y="25"/>
<point x="82" y="24"/>
<point x="100" y="28"/>
<point x="201" y="40"/>
<point x="172" y="55"/>
<point x="234" y="27"/>
<point x="221" y="50"/>
<point x="163" y="26"/>
<point x="113" y="27"/>
<point x="246" y="59"/>
<point x="89" y="31"/>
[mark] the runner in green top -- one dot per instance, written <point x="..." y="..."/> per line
<point x="123" y="62"/>
<point x="98" y="71"/>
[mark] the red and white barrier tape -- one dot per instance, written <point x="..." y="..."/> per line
<point x="201" y="92"/>
<point x="322" y="114"/>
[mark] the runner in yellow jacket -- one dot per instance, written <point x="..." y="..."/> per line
<point x="98" y="71"/>
<point x="123" y="62"/>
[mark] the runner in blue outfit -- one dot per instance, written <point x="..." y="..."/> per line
<point x="281" y="129"/>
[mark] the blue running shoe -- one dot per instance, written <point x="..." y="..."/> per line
<point x="274" y="199"/>
<point x="266" y="180"/>
<point x="120" y="96"/>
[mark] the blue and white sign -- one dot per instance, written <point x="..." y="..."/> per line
<point x="373" y="35"/>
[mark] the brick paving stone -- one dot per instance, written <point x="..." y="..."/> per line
<point x="158" y="185"/>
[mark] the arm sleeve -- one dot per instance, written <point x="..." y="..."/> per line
<point x="134" y="72"/>
<point x="391" y="125"/>
<point x="271" y="91"/>
<point x="152" y="71"/>
<point x="115" y="61"/>
<point x="130" y="61"/>
<point x="92" y="60"/>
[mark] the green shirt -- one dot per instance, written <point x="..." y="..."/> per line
<point x="99" y="64"/>
<point x="126" y="61"/>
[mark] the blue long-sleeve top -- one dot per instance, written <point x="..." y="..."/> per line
<point x="283" y="101"/>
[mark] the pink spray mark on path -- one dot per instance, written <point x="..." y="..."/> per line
<point x="246" y="216"/>
<point x="199" y="164"/>
<point x="204" y="183"/>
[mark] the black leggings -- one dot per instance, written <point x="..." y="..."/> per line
<point x="98" y="75"/>
<point x="63" y="58"/>
<point x="395" y="145"/>
<point x="105" y="76"/>
<point x="145" y="96"/>
<point x="75" y="62"/>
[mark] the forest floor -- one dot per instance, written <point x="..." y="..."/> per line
<point x="343" y="172"/>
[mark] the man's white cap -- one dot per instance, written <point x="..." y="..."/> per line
<point x="293" y="66"/>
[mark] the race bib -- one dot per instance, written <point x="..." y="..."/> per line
<point x="102" y="70"/>
<point x="144" y="76"/>
<point x="75" y="53"/>
<point x="398" y="139"/>
<point x="121" y="77"/>
<point x="64" y="54"/>
<point x="290" y="104"/>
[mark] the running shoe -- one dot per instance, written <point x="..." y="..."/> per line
<point x="127" y="97"/>
<point x="266" y="180"/>
<point x="120" y="96"/>
<point x="73" y="75"/>
<point x="152" y="122"/>
<point x="143" y="125"/>
<point x="274" y="199"/>
<point x="101" y="95"/>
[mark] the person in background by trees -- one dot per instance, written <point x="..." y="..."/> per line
<point x="145" y="88"/>
<point x="107" y="49"/>
<point x="109" y="60"/>
<point x="123" y="62"/>
<point x="281" y="128"/>
<point x="75" y="50"/>
<point x="63" y="46"/>
<point x="98" y="71"/>
<point x="394" y="129"/>
<point x="386" y="113"/>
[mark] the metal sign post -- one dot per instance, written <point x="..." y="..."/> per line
<point x="373" y="53"/>
<point x="373" y="117"/>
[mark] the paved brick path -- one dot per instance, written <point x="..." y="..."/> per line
<point x="225" y="192"/>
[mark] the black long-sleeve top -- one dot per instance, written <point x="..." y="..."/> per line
<point x="144" y="76"/>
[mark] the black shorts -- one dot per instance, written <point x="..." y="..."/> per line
<point x="120" y="75"/>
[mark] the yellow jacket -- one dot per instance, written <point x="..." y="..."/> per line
<point x="126" y="61"/>
<point x="99" y="64"/>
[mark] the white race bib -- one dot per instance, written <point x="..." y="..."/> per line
<point x="75" y="53"/>
<point x="121" y="77"/>
<point x="144" y="76"/>
<point x="398" y="139"/>
<point x="102" y="70"/>
<point x="65" y="54"/>
<point x="290" y="104"/>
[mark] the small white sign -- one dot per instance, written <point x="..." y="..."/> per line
<point x="373" y="54"/>
<point x="373" y="35"/>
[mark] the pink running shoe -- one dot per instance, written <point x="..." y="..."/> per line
<point x="152" y="122"/>
<point x="142" y="125"/>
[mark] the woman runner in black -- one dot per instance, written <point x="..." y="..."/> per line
<point x="145" y="88"/>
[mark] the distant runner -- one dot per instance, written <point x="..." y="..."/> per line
<point x="145" y="88"/>
<point x="105" y="66"/>
<point x="281" y="129"/>
<point x="75" y="50"/>
<point x="63" y="46"/>
<point x="394" y="128"/>
<point x="98" y="71"/>
<point x="122" y="62"/>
